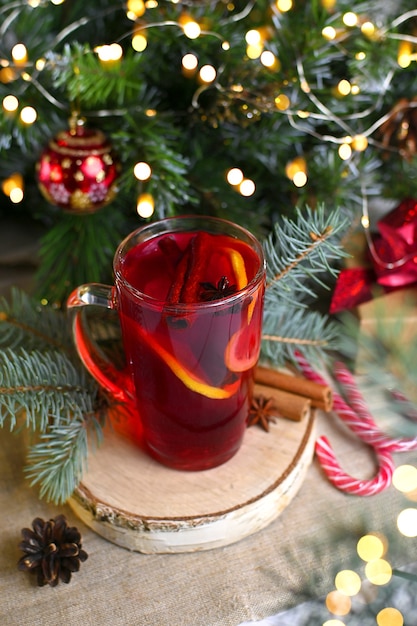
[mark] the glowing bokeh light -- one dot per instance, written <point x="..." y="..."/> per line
<point x="28" y="115"/>
<point x="404" y="478"/>
<point x="189" y="61"/>
<point x="234" y="176"/>
<point x="407" y="522"/>
<point x="338" y="603"/>
<point x="348" y="582"/>
<point x="145" y="205"/>
<point x="371" y="547"/>
<point x="208" y="74"/>
<point x="247" y="187"/>
<point x="378" y="572"/>
<point x="142" y="171"/>
<point x="10" y="103"/>
<point x="389" y="617"/>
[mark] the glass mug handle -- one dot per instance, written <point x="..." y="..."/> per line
<point x="116" y="382"/>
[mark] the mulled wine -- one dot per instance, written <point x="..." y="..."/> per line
<point x="190" y="301"/>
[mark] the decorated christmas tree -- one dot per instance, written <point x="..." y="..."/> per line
<point x="243" y="110"/>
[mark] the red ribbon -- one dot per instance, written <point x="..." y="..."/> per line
<point x="393" y="258"/>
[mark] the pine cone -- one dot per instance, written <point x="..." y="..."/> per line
<point x="52" y="550"/>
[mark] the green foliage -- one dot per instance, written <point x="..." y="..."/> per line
<point x="44" y="388"/>
<point x="301" y="255"/>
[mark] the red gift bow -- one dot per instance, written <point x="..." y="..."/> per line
<point x="393" y="254"/>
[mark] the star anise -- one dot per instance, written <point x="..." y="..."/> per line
<point x="52" y="550"/>
<point x="214" y="292"/>
<point x="261" y="412"/>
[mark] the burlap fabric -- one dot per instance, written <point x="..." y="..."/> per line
<point x="293" y="559"/>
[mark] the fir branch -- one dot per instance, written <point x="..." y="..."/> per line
<point x="42" y="386"/>
<point x="25" y="322"/>
<point x="288" y="330"/>
<point x="58" y="460"/>
<point x="300" y="252"/>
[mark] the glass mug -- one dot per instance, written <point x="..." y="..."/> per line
<point x="189" y="295"/>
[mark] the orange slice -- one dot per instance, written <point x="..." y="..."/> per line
<point x="242" y="351"/>
<point x="187" y="377"/>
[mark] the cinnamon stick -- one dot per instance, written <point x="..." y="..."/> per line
<point x="286" y="404"/>
<point x="321" y="396"/>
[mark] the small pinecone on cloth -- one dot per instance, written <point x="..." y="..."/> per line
<point x="52" y="551"/>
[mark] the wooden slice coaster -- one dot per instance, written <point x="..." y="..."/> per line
<point x="136" y="503"/>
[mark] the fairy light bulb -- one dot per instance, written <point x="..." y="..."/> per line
<point x="247" y="187"/>
<point x="145" y="205"/>
<point x="405" y="51"/>
<point x="109" y="55"/>
<point x="344" y="151"/>
<point x="378" y="572"/>
<point x="189" y="64"/>
<point x="407" y="522"/>
<point x="368" y="29"/>
<point x="19" y="54"/>
<point x="192" y="29"/>
<point x="348" y="582"/>
<point x="344" y="87"/>
<point x="253" y="37"/>
<point x="142" y="171"/>
<point x="371" y="547"/>
<point x="10" y="103"/>
<point x="269" y="60"/>
<point x="139" y="41"/>
<point x="135" y="9"/>
<point x="329" y="33"/>
<point x="14" y="181"/>
<point x="389" y="616"/>
<point x="359" y="143"/>
<point x="28" y="115"/>
<point x="284" y="5"/>
<point x="234" y="176"/>
<point x="207" y="74"/>
<point x="350" y="19"/>
<point x="338" y="603"/>
<point x="282" y="102"/>
<point x="57" y="2"/>
<point x="404" y="478"/>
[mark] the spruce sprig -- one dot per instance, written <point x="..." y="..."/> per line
<point x="301" y="254"/>
<point x="44" y="387"/>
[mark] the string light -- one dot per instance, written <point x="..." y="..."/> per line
<point x="234" y="176"/>
<point x="371" y="547"/>
<point x="10" y="103"/>
<point x="28" y="115"/>
<point x="348" y="582"/>
<point x="378" y="572"/>
<point x="407" y="522"/>
<point x="338" y="603"/>
<point x="389" y="617"/>
<point x="109" y="55"/>
<point x="142" y="171"/>
<point x="13" y="187"/>
<point x="145" y="205"/>
<point x="247" y="187"/>
<point x="139" y="41"/>
<point x="189" y="64"/>
<point x="404" y="478"/>
<point x="19" y="54"/>
<point x="350" y="19"/>
<point x="207" y="74"/>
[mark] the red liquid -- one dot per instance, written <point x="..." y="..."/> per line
<point x="193" y="359"/>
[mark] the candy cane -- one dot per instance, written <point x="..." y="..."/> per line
<point x="357" y="417"/>
<point x="347" y="483"/>
<point x="366" y="430"/>
<point x="374" y="436"/>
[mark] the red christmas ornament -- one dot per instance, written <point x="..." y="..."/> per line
<point x="78" y="170"/>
